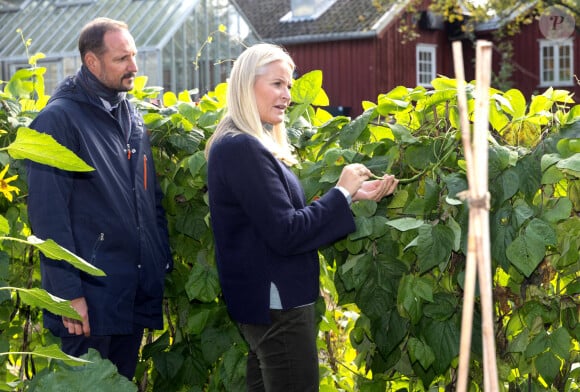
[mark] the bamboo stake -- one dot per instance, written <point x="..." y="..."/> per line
<point x="470" y="267"/>
<point x="478" y="252"/>
<point x="480" y="203"/>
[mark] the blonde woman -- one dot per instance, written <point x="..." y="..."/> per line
<point x="266" y="236"/>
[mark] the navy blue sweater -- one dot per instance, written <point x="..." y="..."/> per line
<point x="264" y="231"/>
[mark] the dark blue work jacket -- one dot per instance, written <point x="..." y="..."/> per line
<point x="264" y="232"/>
<point x="112" y="217"/>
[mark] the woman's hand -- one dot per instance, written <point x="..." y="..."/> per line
<point x="353" y="176"/>
<point x="376" y="189"/>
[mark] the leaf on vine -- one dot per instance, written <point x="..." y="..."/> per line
<point x="52" y="352"/>
<point x="203" y="283"/>
<point x="41" y="298"/>
<point x="525" y="253"/>
<point x="351" y="132"/>
<point x="54" y="251"/>
<point x="98" y="375"/>
<point x="570" y="164"/>
<point x="420" y="352"/>
<point x="548" y="366"/>
<point x="560" y="343"/>
<point x="406" y="224"/>
<point x="434" y="246"/>
<point x="443" y="338"/>
<point x="43" y="148"/>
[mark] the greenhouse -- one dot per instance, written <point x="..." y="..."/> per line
<point x="183" y="44"/>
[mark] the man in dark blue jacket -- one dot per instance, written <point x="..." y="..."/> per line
<point x="112" y="216"/>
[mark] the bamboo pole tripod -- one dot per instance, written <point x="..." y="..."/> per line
<point x="478" y="260"/>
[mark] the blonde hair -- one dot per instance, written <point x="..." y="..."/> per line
<point x="242" y="114"/>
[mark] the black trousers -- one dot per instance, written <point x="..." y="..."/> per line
<point x="122" y="350"/>
<point x="283" y="355"/>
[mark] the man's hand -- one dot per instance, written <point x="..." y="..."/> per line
<point x="78" y="327"/>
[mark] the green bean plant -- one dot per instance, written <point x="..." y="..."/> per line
<point x="394" y="287"/>
<point x="391" y="292"/>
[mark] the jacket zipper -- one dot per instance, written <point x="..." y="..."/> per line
<point x="98" y="243"/>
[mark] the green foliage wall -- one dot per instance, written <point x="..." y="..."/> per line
<point x="392" y="291"/>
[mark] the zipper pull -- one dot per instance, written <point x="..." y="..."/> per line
<point x="128" y="151"/>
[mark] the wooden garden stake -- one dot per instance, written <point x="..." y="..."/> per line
<point x="470" y="262"/>
<point x="478" y="244"/>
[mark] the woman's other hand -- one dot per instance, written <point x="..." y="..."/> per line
<point x="376" y="189"/>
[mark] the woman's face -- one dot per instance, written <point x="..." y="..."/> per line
<point x="272" y="91"/>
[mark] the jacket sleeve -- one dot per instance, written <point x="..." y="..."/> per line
<point x="259" y="184"/>
<point x="49" y="191"/>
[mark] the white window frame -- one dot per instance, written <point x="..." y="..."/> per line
<point x="421" y="74"/>
<point x="556" y="46"/>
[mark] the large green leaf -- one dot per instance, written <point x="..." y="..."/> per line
<point x="434" y="246"/>
<point x="53" y="352"/>
<point x="405" y="224"/>
<point x="355" y="270"/>
<point x="548" y="366"/>
<point x="442" y="306"/>
<point x="234" y="368"/>
<point x="502" y="232"/>
<point x="525" y="253"/>
<point x="42" y="299"/>
<point x="542" y="232"/>
<point x="560" y="343"/>
<point x="388" y="331"/>
<point x="421" y="352"/>
<point x="351" y="132"/>
<point x="539" y="344"/>
<point x="517" y="108"/>
<point x="443" y="339"/>
<point x="4" y="226"/>
<point x="42" y="148"/>
<point x="99" y="375"/>
<point x="216" y="340"/>
<point x="203" y="283"/>
<point x="54" y="251"/>
<point x="571" y="164"/>
<point x="413" y="292"/>
<point x="306" y="89"/>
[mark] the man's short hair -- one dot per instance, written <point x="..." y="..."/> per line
<point x="92" y="34"/>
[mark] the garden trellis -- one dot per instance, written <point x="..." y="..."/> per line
<point x="478" y="243"/>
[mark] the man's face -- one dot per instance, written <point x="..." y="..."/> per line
<point x="116" y="67"/>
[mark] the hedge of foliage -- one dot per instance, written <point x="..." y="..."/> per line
<point x="391" y="298"/>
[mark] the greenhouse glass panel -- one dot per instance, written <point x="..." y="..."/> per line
<point x="182" y="44"/>
<point x="12" y="5"/>
<point x="200" y="54"/>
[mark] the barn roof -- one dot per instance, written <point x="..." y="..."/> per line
<point x="344" y="19"/>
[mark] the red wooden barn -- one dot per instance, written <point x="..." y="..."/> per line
<point x="542" y="59"/>
<point x="362" y="53"/>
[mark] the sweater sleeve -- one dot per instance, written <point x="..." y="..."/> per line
<point x="49" y="191"/>
<point x="259" y="185"/>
